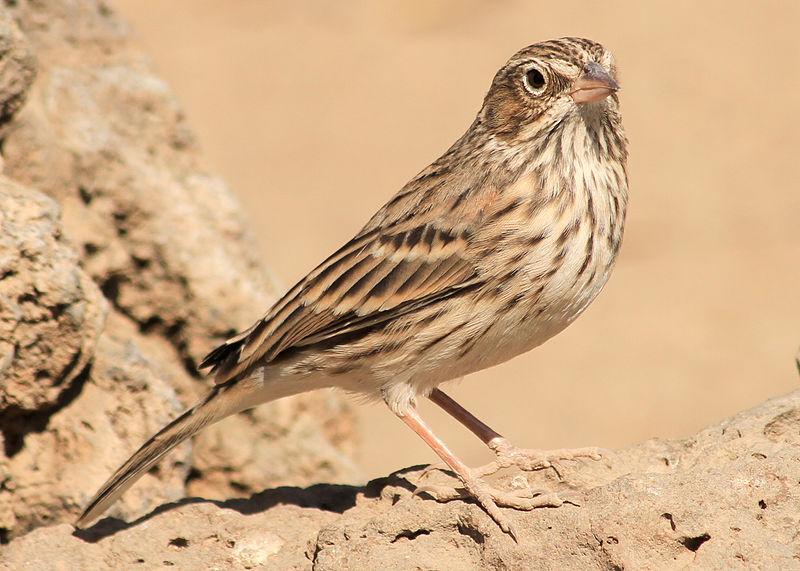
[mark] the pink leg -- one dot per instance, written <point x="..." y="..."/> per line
<point x="488" y="498"/>
<point x="507" y="454"/>
<point x="465" y="417"/>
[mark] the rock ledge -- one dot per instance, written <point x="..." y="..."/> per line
<point x="726" y="497"/>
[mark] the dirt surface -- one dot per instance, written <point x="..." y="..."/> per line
<point x="316" y="113"/>
<point x="725" y="498"/>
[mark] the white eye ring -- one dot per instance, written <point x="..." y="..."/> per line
<point x="534" y="80"/>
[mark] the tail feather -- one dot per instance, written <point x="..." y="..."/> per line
<point x="206" y="412"/>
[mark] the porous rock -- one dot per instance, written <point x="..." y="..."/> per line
<point x="17" y="67"/>
<point x="51" y="312"/>
<point x="106" y="209"/>
<point x="54" y="459"/>
<point x="724" y="498"/>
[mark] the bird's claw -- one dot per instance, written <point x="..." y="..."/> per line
<point x="491" y="499"/>
<point x="431" y="468"/>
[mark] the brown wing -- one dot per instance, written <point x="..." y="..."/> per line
<point x="373" y="279"/>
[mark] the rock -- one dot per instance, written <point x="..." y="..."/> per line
<point x="726" y="497"/>
<point x="51" y="312"/>
<point x="65" y="454"/>
<point x="106" y="210"/>
<point x="106" y="138"/>
<point x="17" y="67"/>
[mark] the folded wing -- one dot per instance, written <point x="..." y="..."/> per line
<point x="373" y="279"/>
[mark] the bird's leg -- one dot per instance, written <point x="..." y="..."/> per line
<point x="474" y="487"/>
<point x="507" y="454"/>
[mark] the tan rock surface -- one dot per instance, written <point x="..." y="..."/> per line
<point x="107" y="213"/>
<point x="17" y="67"/>
<point x="51" y="312"/>
<point x="62" y="455"/>
<point x="106" y="138"/>
<point x="725" y="498"/>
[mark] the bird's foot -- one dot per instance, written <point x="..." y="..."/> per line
<point x="528" y="460"/>
<point x="508" y="455"/>
<point x="491" y="499"/>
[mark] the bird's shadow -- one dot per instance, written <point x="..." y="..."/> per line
<point x="336" y="498"/>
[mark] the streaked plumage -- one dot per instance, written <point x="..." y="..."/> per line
<point x="491" y="250"/>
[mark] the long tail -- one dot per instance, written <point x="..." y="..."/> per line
<point x="220" y="403"/>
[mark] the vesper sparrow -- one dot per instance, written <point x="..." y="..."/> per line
<point x="487" y="253"/>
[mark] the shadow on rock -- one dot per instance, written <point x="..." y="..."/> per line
<point x="336" y="498"/>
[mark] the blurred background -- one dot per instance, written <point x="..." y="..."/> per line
<point x="317" y="112"/>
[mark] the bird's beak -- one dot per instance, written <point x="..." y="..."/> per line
<point x="594" y="85"/>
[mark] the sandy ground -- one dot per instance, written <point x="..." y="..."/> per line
<point x="317" y="112"/>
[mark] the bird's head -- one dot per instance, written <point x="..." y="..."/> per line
<point x="545" y="83"/>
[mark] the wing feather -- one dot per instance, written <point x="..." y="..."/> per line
<point x="374" y="279"/>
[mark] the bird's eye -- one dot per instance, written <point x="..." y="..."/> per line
<point x="534" y="80"/>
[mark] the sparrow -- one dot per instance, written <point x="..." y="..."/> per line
<point x="491" y="250"/>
